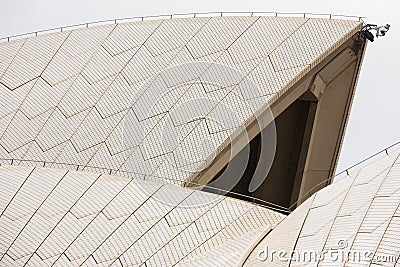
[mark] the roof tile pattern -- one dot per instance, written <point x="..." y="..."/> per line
<point x="65" y="97"/>
<point x="70" y="218"/>
<point x="357" y="214"/>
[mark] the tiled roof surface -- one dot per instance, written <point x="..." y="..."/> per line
<point x="68" y="218"/>
<point x="357" y="214"/>
<point x="95" y="97"/>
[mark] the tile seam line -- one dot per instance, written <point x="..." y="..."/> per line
<point x="33" y="86"/>
<point x="302" y="226"/>
<point x="283" y="90"/>
<point x="257" y="242"/>
<point x="397" y="260"/>
<point x="92" y="220"/>
<point x="34" y="213"/>
<point x="188" y="178"/>
<point x="162" y="114"/>
<point x="370" y="204"/>
<point x="14" y="57"/>
<point x="185" y="46"/>
<point x="284" y="41"/>
<point x="232" y="136"/>
<point x="65" y="214"/>
<point x="214" y="235"/>
<point x="383" y="235"/>
<point x="105" y="90"/>
<point x="150" y="228"/>
<point x="66" y="92"/>
<point x="337" y="213"/>
<point x="180" y="50"/>
<point x="340" y="42"/>
<point x="109" y="235"/>
<point x="190" y="224"/>
<point x="22" y="184"/>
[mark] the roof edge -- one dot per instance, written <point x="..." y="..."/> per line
<point x="180" y="15"/>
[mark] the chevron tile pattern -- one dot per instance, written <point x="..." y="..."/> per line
<point x="355" y="215"/>
<point x="54" y="217"/>
<point x="69" y="98"/>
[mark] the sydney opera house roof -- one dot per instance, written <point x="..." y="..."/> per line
<point x="357" y="216"/>
<point x="114" y="140"/>
<point x="53" y="216"/>
<point x="73" y="218"/>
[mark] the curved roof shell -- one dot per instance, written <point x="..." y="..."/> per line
<point x="359" y="215"/>
<point x="54" y="216"/>
<point x="71" y="218"/>
<point x="66" y="96"/>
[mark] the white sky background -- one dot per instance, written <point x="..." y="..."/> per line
<point x="375" y="117"/>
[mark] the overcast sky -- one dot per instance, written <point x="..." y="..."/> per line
<point x="375" y="118"/>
